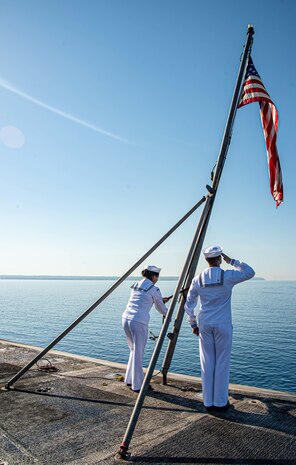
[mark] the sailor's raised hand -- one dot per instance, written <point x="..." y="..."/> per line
<point x="226" y="258"/>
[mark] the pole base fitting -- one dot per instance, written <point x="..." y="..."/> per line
<point x="164" y="377"/>
<point x="123" y="454"/>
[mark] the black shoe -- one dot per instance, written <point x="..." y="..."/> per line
<point x="150" y="388"/>
<point x="210" y="408"/>
<point x="128" y="385"/>
<point x="222" y="409"/>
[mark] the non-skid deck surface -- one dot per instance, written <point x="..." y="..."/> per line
<point x="78" y="416"/>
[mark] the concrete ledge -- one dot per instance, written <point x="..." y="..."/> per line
<point x="240" y="388"/>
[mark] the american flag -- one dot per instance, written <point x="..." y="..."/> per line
<point x="254" y="91"/>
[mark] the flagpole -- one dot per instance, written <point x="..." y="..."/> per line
<point x="193" y="256"/>
<point x="210" y="201"/>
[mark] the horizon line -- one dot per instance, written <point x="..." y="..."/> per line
<point x="94" y="277"/>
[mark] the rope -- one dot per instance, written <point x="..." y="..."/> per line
<point x="49" y="368"/>
<point x="181" y="292"/>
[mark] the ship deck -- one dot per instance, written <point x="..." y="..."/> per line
<point x="78" y="414"/>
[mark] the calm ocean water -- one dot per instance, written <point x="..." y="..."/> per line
<point x="264" y="319"/>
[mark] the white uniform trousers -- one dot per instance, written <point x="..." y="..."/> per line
<point x="137" y="335"/>
<point x="215" y="342"/>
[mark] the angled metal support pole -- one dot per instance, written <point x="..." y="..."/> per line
<point x="202" y="226"/>
<point x="103" y="297"/>
<point x="204" y="220"/>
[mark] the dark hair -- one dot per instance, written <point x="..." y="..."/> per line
<point x="213" y="261"/>
<point x="149" y="274"/>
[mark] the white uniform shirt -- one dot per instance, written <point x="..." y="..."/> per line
<point x="214" y="288"/>
<point x="143" y="295"/>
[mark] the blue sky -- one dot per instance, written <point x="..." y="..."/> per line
<point x="112" y="115"/>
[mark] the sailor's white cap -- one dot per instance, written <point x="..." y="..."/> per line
<point x="153" y="268"/>
<point x="213" y="251"/>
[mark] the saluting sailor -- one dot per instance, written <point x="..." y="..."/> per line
<point x="214" y="288"/>
<point x="135" y="320"/>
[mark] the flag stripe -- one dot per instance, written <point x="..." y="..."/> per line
<point x="253" y="97"/>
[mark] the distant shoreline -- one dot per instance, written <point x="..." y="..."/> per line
<point x="80" y="278"/>
<point x="88" y="278"/>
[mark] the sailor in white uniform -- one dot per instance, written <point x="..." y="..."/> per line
<point x="214" y="288"/>
<point x="135" y="320"/>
